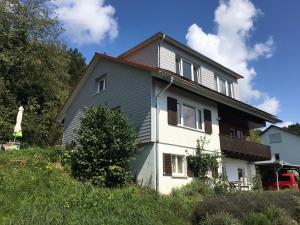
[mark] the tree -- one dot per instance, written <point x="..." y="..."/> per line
<point x="77" y="66"/>
<point x="36" y="70"/>
<point x="201" y="163"/>
<point x="106" y="141"/>
<point x="255" y="136"/>
<point x="294" y="128"/>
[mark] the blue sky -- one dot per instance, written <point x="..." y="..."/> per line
<point x="275" y="86"/>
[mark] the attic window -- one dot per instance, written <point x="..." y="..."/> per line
<point x="275" y="138"/>
<point x="101" y="84"/>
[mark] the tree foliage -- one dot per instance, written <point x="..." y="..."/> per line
<point x="35" y="69"/>
<point x="106" y="141"/>
<point x="202" y="162"/>
<point x="294" y="128"/>
<point x="255" y="136"/>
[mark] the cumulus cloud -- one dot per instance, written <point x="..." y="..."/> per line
<point x="87" y="21"/>
<point x="229" y="45"/>
<point x="284" y="124"/>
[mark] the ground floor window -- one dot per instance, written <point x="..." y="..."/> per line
<point x="178" y="163"/>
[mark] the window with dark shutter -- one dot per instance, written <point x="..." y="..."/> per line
<point x="189" y="170"/>
<point x="207" y="121"/>
<point x="172" y="111"/>
<point x="167" y="164"/>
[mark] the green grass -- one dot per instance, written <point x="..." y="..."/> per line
<point x="36" y="190"/>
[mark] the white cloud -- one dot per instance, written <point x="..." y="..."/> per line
<point x="87" y="21"/>
<point x="270" y="105"/>
<point x="229" y="46"/>
<point x="284" y="124"/>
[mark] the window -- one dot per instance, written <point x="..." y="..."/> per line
<point x="275" y="138"/>
<point x="101" y="84"/>
<point x="236" y="133"/>
<point x="223" y="86"/>
<point x="189" y="116"/>
<point x="284" y="178"/>
<point x="187" y="69"/>
<point x="239" y="134"/>
<point x="178" y="163"/>
<point x="196" y="73"/>
<point x="240" y="173"/>
<point x="277" y="157"/>
<point x="178" y="65"/>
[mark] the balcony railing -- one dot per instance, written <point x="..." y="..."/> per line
<point x="243" y="149"/>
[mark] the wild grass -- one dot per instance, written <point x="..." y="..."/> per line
<point x="36" y="189"/>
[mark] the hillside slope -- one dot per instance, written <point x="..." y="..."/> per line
<point x="36" y="189"/>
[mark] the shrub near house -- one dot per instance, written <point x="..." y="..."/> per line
<point x="106" y="141"/>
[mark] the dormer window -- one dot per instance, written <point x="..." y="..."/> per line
<point x="187" y="69"/>
<point x="223" y="86"/>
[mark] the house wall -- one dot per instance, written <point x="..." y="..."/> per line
<point x="143" y="166"/>
<point x="147" y="55"/>
<point x="126" y="87"/>
<point x="231" y="165"/>
<point x="168" y="61"/>
<point x="288" y="148"/>
<point x="179" y="140"/>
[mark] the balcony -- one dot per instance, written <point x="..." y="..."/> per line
<point x="243" y="149"/>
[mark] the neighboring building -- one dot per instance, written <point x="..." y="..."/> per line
<point x="173" y="95"/>
<point x="285" y="145"/>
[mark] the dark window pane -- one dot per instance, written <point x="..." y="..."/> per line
<point x="199" y="119"/>
<point x="222" y="86"/>
<point x="229" y="89"/>
<point x="177" y="65"/>
<point x="187" y="70"/>
<point x="189" y="116"/>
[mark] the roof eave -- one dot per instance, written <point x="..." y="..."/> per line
<point x="217" y="97"/>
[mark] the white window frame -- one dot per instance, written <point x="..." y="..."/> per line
<point x="180" y="123"/>
<point x="176" y="173"/>
<point x="227" y="84"/>
<point x="98" y="84"/>
<point x="195" y="77"/>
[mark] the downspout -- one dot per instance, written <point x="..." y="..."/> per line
<point x="157" y="133"/>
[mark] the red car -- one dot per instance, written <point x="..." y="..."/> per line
<point x="286" y="181"/>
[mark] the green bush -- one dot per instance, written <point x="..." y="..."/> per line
<point x="240" y="204"/>
<point x="220" y="219"/>
<point x="256" y="219"/>
<point x="106" y="142"/>
<point x="196" y="187"/>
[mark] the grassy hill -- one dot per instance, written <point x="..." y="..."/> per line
<point x="36" y="189"/>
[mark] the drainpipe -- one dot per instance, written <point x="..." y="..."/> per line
<point x="157" y="133"/>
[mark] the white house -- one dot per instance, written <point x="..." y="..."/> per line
<point x="173" y="95"/>
<point x="285" y="146"/>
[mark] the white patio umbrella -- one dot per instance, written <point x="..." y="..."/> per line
<point x="18" y="129"/>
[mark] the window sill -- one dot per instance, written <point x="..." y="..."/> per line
<point x="190" y="128"/>
<point x="179" y="176"/>
<point x="98" y="93"/>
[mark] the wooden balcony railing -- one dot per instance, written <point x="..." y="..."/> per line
<point x="244" y="149"/>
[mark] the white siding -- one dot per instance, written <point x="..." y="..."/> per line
<point x="147" y="56"/>
<point x="288" y="148"/>
<point x="168" y="61"/>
